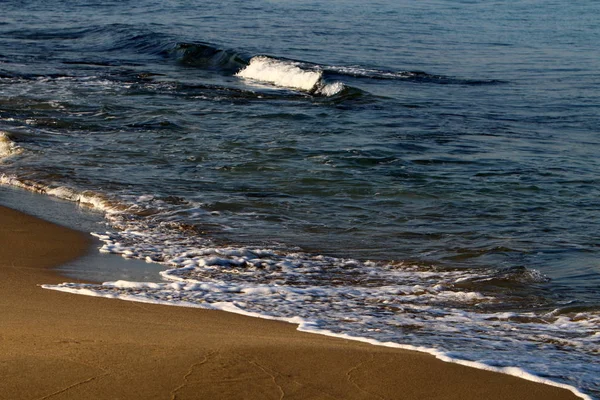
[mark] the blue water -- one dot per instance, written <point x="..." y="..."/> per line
<point x="453" y="171"/>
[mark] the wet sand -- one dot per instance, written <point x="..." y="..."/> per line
<point x="58" y="346"/>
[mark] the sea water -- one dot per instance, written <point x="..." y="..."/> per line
<point x="411" y="173"/>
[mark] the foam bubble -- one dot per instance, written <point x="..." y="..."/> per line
<point x="330" y="89"/>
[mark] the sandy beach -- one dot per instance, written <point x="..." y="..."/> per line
<point x="61" y="346"/>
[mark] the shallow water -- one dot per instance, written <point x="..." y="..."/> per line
<point x="417" y="173"/>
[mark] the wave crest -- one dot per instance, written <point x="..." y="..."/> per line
<point x="288" y="74"/>
<point x="210" y="57"/>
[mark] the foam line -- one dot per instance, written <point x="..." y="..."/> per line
<point x="88" y="199"/>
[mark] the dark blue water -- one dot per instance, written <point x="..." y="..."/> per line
<point x="452" y="143"/>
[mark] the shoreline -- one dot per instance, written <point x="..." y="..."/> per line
<point x="58" y="345"/>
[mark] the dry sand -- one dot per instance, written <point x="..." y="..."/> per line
<point x="57" y="346"/>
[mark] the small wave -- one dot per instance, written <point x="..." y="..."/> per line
<point x="308" y="77"/>
<point x="511" y="276"/>
<point x="298" y="75"/>
<point x="289" y="74"/>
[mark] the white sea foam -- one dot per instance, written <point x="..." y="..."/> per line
<point x="8" y="147"/>
<point x="387" y="304"/>
<point x="280" y="73"/>
<point x="288" y="74"/>
<point x="330" y="89"/>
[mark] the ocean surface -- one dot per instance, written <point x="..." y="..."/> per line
<point x="419" y="173"/>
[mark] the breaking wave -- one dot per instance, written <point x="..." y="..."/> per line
<point x="315" y="79"/>
<point x="7" y="146"/>
<point x="289" y="74"/>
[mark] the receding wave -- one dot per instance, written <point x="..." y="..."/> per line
<point x="387" y="302"/>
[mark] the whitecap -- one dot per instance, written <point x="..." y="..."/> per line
<point x="288" y="74"/>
